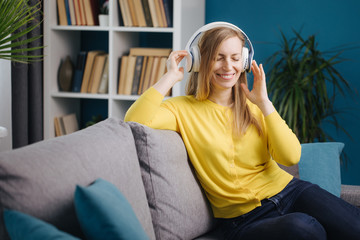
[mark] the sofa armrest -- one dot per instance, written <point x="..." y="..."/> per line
<point x="351" y="194"/>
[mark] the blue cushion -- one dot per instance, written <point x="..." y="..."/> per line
<point x="103" y="211"/>
<point x="22" y="226"/>
<point x="320" y="164"/>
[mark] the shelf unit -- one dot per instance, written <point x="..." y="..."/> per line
<point x="62" y="41"/>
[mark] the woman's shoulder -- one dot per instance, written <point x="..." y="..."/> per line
<point x="182" y="103"/>
<point x="188" y="99"/>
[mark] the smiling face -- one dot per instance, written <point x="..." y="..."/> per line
<point x="228" y="64"/>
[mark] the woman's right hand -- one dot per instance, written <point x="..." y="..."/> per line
<point x="174" y="74"/>
<point x="172" y="64"/>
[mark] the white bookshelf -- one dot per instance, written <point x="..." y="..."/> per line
<point x="62" y="41"/>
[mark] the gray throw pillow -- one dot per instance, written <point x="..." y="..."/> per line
<point x="40" y="179"/>
<point x="293" y="170"/>
<point x="178" y="206"/>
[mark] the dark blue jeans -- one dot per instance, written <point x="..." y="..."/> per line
<point x="301" y="211"/>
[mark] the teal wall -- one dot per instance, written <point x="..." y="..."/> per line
<point x="333" y="22"/>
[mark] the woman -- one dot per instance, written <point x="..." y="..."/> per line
<point x="234" y="138"/>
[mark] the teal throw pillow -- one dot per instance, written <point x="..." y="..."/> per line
<point x="104" y="213"/>
<point x="21" y="226"/>
<point x="320" y="164"/>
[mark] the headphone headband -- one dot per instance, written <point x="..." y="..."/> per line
<point x="192" y="59"/>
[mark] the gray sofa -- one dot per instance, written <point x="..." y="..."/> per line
<point x="150" y="167"/>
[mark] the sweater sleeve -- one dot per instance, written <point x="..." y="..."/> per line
<point x="148" y="110"/>
<point x="284" y="146"/>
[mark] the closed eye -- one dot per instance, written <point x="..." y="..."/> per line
<point x="219" y="58"/>
<point x="234" y="57"/>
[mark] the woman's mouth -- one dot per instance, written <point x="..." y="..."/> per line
<point x="226" y="76"/>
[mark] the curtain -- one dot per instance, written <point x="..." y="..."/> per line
<point x="27" y="95"/>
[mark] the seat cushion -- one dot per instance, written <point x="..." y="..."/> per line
<point x="351" y="194"/>
<point x="178" y="206"/>
<point x="40" y="179"/>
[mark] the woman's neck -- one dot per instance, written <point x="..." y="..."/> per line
<point x="222" y="97"/>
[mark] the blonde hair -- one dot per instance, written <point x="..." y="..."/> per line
<point x="199" y="83"/>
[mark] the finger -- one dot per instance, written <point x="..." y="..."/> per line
<point x="179" y="53"/>
<point x="262" y="70"/>
<point x="177" y="56"/>
<point x="255" y="67"/>
<point x="254" y="64"/>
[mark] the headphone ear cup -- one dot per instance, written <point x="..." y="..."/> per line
<point x="189" y="61"/>
<point x="245" y="59"/>
<point x="195" y="52"/>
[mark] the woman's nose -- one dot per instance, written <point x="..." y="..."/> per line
<point x="227" y="65"/>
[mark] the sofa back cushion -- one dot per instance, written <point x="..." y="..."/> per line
<point x="320" y="164"/>
<point x="40" y="179"/>
<point x="178" y="206"/>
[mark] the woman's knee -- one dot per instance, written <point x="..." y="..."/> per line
<point x="304" y="226"/>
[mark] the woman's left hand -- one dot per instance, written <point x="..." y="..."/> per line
<point x="258" y="95"/>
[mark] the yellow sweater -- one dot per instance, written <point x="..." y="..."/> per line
<point x="235" y="172"/>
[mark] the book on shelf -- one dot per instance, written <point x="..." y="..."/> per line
<point x="139" y="13"/>
<point x="90" y="58"/>
<point x="89" y="17"/>
<point x="133" y="15"/>
<point x="158" y="52"/>
<point x="67" y="10"/>
<point x="154" y="72"/>
<point x="145" y="83"/>
<point x="78" y="12"/>
<point x="91" y="73"/>
<point x="141" y="69"/>
<point x="61" y="12"/>
<point x="72" y="12"/>
<point x="92" y="10"/>
<point x="104" y="82"/>
<point x="79" y="71"/>
<point x="137" y="74"/>
<point x="122" y="66"/>
<point x="120" y="17"/>
<point x="82" y="12"/>
<point x="168" y="9"/>
<point x="159" y="12"/>
<point x="97" y="72"/>
<point x="153" y="13"/>
<point x="142" y="75"/>
<point x="129" y="75"/>
<point x="161" y="69"/>
<point x="123" y="13"/>
<point x="66" y="124"/>
<point x="59" y="129"/>
<point x="145" y="13"/>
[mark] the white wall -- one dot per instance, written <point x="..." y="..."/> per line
<point x="5" y="103"/>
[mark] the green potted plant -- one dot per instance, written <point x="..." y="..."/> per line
<point x="15" y="15"/>
<point x="303" y="83"/>
<point x="18" y="18"/>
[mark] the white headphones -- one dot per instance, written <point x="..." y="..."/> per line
<point x="193" y="58"/>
